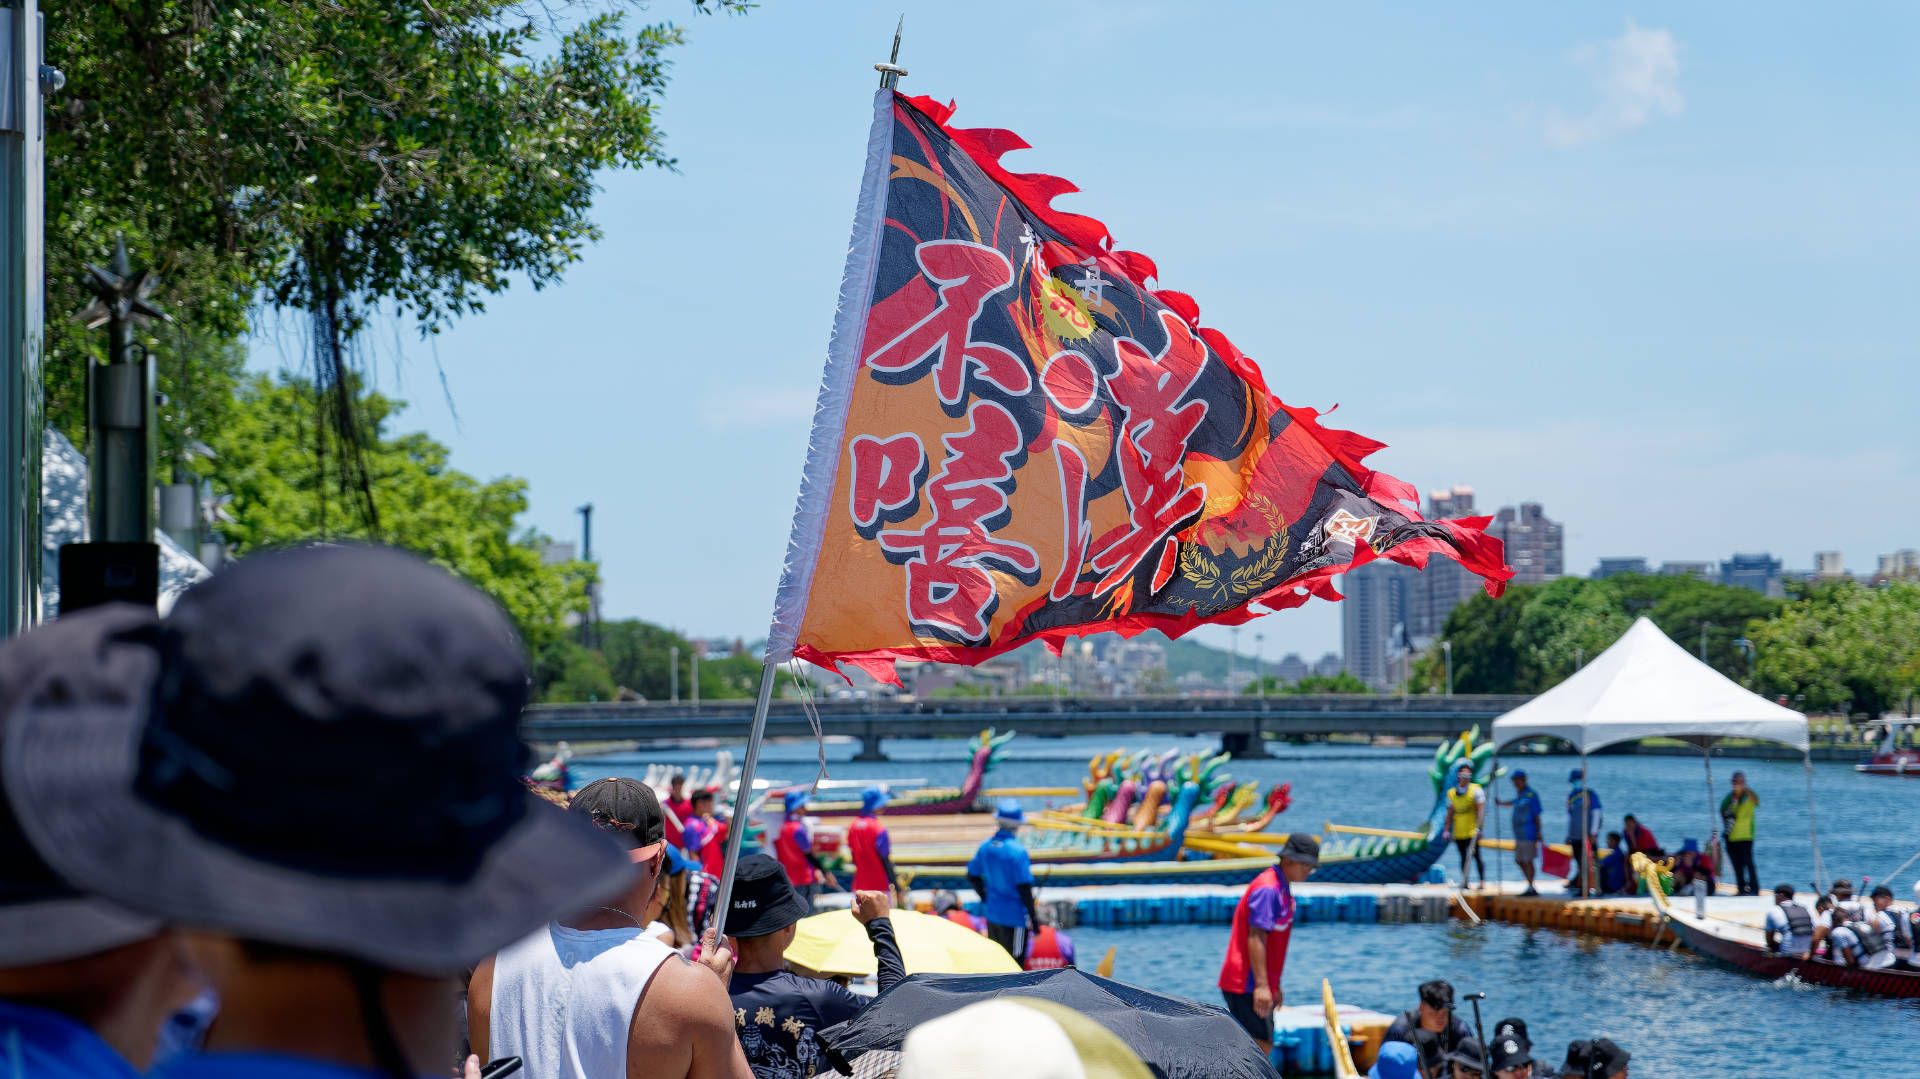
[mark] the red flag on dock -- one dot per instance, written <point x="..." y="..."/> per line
<point x="1019" y="437"/>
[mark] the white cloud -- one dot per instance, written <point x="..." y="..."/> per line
<point x="1637" y="76"/>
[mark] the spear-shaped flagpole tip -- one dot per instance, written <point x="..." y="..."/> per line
<point x="891" y="71"/>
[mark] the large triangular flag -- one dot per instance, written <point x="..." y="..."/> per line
<point x="1019" y="438"/>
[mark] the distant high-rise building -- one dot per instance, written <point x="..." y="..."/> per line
<point x="1902" y="563"/>
<point x="1328" y="665"/>
<point x="1534" y="543"/>
<point x="1291" y="668"/>
<point x="1829" y="564"/>
<point x="1758" y="572"/>
<point x="1374" y="621"/>
<point x="1702" y="570"/>
<point x="1445" y="583"/>
<point x="1614" y="567"/>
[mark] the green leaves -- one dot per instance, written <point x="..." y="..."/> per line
<point x="1844" y="646"/>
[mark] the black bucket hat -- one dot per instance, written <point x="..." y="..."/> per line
<point x="1301" y="848"/>
<point x="43" y="919"/>
<point x="326" y="756"/>
<point x="764" y="901"/>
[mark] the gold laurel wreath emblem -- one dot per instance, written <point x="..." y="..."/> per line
<point x="1224" y="588"/>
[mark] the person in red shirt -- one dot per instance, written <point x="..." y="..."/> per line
<point x="872" y="848"/>
<point x="677" y="799"/>
<point x="1639" y="837"/>
<point x="1257" y="951"/>
<point x="1051" y="949"/>
<point x="794" y="847"/>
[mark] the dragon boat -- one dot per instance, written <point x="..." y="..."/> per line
<point x="1068" y="851"/>
<point x="1375" y="856"/>
<point x="1115" y="780"/>
<point x="927" y="801"/>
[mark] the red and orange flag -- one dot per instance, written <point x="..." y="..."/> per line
<point x="1018" y="438"/>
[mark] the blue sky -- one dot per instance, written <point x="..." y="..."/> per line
<point x="1643" y="266"/>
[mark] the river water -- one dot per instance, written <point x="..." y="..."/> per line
<point x="1676" y="1013"/>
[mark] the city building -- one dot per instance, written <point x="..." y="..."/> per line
<point x="1291" y="669"/>
<point x="1534" y="543"/>
<point x="1445" y="583"/>
<point x="1702" y="570"/>
<point x="1614" y="567"/>
<point x="1374" y="630"/>
<point x="1902" y="563"/>
<point x="1829" y="564"/>
<point x="1757" y="572"/>
<point x="1329" y="665"/>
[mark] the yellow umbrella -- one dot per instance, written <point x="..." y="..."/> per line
<point x="835" y="943"/>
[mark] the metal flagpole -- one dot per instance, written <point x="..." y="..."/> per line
<point x="1586" y="824"/>
<point x="1713" y="810"/>
<point x="890" y="73"/>
<point x="743" y="797"/>
<point x="1813" y="825"/>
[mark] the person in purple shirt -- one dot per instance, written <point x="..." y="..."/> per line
<point x="314" y="762"/>
<point x="85" y="985"/>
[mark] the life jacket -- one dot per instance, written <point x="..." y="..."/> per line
<point x="1799" y="920"/>
<point x="1873" y="940"/>
<point x="959" y="916"/>
<point x="1044" y="952"/>
<point x="1464" y="810"/>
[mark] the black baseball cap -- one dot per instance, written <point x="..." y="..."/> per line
<point x="43" y="919"/>
<point x="628" y="809"/>
<point x="318" y="747"/>
<point x="1436" y="994"/>
<point x="1304" y="849"/>
<point x="1610" y="1058"/>
<point x="1509" y="1052"/>
<point x="764" y="900"/>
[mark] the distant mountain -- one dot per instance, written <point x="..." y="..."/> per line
<point x="1187" y="655"/>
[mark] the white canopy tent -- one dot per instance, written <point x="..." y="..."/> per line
<point x="1646" y="686"/>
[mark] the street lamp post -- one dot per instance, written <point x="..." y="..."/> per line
<point x="1446" y="650"/>
<point x="1233" y="654"/>
<point x="673" y="673"/>
<point x="1260" y="662"/>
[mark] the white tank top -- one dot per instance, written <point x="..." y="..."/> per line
<point x="563" y="999"/>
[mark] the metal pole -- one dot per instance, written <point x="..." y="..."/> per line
<point x="1586" y="824"/>
<point x="1260" y="662"/>
<point x="1446" y="649"/>
<point x="673" y="673"/>
<point x="1713" y="809"/>
<point x="698" y="647"/>
<point x="737" y="826"/>
<point x="22" y="308"/>
<point x="1813" y="826"/>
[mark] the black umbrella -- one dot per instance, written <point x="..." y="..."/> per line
<point x="1173" y="1037"/>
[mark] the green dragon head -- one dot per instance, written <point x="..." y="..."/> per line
<point x="1466" y="748"/>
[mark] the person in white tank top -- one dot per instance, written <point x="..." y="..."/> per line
<point x="593" y="996"/>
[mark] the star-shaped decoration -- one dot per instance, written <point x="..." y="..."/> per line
<point x="120" y="293"/>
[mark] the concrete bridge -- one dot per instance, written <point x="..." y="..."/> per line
<point x="1243" y="723"/>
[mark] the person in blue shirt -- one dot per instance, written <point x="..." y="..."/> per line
<point x="1583" y="829"/>
<point x="314" y="762"/>
<point x="85" y="985"/>
<point x="1003" y="875"/>
<point x="1526" y="826"/>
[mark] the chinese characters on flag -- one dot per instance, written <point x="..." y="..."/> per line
<point x="1019" y="438"/>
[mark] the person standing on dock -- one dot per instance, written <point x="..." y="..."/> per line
<point x="872" y="847"/>
<point x="794" y="847"/>
<point x="1466" y="808"/>
<point x="1736" y="812"/>
<point x="1583" y="829"/>
<point x="1257" y="948"/>
<point x="1526" y="827"/>
<point x="1002" y="873"/>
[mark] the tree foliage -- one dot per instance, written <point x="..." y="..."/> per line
<point x="1843" y="646"/>
<point x="333" y="157"/>
<point x="1311" y="684"/>
<point x="282" y="495"/>
<point x="1534" y="636"/>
